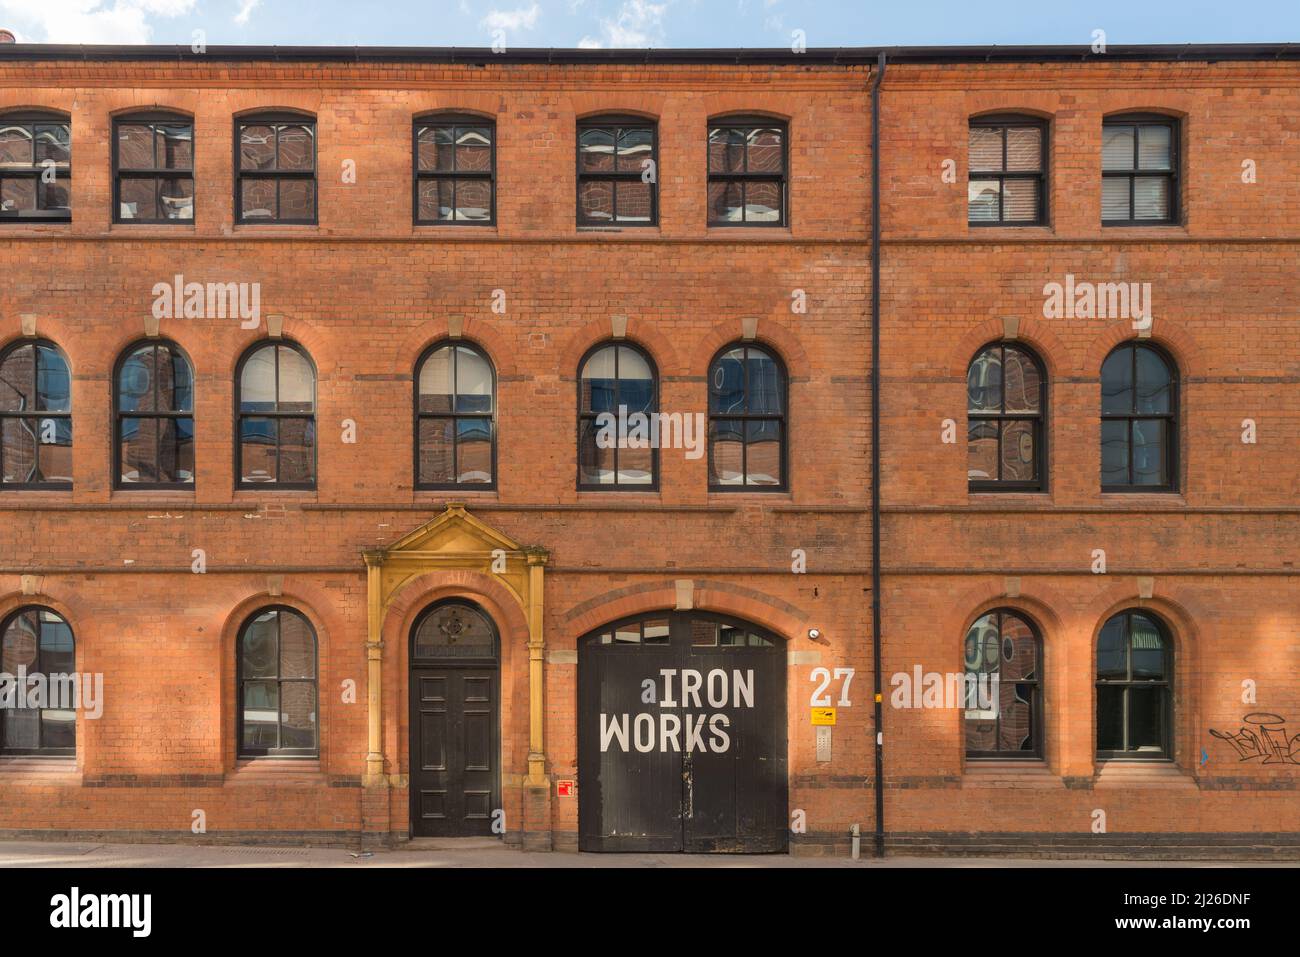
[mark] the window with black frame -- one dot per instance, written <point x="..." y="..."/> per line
<point x="1007" y="164"/>
<point x="153" y="166"/>
<point x="618" y="401"/>
<point x="747" y="427"/>
<point x="1006" y="392"/>
<point x="1139" y="423"/>
<point x="1003" y="703"/>
<point x="1135" y="660"/>
<point x="276" y="427"/>
<point x="455" y="429"/>
<point x="1139" y="168"/>
<point x="276" y="685"/>
<point x="39" y="641"/>
<point x="35" y="416"/>
<point x="747" y="175"/>
<point x="617" y="172"/>
<point x="455" y="170"/>
<point x="35" y="167"/>
<point x="154" y="415"/>
<point x="275" y="169"/>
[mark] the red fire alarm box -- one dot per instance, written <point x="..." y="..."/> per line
<point x="566" y="789"/>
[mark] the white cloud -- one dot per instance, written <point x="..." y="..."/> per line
<point x="639" y="23"/>
<point x="589" y="43"/>
<point x="89" y="21"/>
<point x="524" y="18"/>
<point x="246" y="8"/>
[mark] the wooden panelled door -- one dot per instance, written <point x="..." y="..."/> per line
<point x="455" y="780"/>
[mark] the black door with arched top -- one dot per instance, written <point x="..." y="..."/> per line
<point x="682" y="736"/>
<point x="455" y="722"/>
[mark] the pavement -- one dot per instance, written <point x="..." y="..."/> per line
<point x="474" y="852"/>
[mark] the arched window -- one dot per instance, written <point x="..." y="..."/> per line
<point x="276" y="172"/>
<point x="1139" y="425"/>
<point x="618" y="406"/>
<point x="38" y="641"/>
<point x="1135" y="663"/>
<point x="455" y="402"/>
<point x="617" y="175"/>
<point x="1006" y="391"/>
<point x="455" y="169"/>
<point x="277" y="421"/>
<point x="276" y="681"/>
<point x="35" y="416"/>
<point x="1004" y="675"/>
<point x="453" y="630"/>
<point x="35" y="167"/>
<point x="1007" y="171"/>
<point x="153" y="166"/>
<point x="747" y="432"/>
<point x="154" y="412"/>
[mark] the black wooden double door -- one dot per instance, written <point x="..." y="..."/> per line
<point x="455" y="778"/>
<point x="682" y="737"/>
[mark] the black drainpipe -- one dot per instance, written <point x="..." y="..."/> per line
<point x="875" y="455"/>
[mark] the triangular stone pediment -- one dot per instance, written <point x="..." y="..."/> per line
<point x="454" y="532"/>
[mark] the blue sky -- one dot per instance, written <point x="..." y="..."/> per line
<point x="654" y="23"/>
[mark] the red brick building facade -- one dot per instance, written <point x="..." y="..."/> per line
<point x="356" y="523"/>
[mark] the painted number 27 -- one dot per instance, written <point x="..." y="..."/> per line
<point x="820" y="699"/>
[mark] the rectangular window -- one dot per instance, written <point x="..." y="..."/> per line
<point x="35" y="168"/>
<point x="1139" y="168"/>
<point x="1007" y="172"/>
<point x="617" y="173"/>
<point x="455" y="171"/>
<point x="153" y="163"/>
<point x="747" y="173"/>
<point x="275" y="178"/>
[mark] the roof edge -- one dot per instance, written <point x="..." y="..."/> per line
<point x="778" y="56"/>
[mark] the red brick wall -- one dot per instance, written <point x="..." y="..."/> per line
<point x="1221" y="551"/>
<point x="365" y="293"/>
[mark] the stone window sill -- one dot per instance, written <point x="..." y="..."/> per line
<point x="995" y="773"/>
<point x="1117" y="772"/>
<point x="32" y="769"/>
<point x="264" y="771"/>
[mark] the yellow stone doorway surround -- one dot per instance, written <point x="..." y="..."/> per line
<point x="455" y="540"/>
